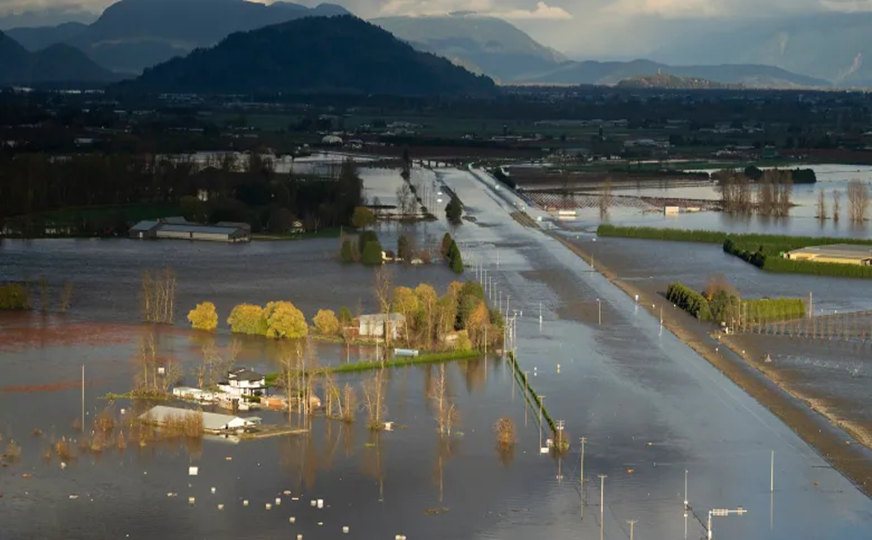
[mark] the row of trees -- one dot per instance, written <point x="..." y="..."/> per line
<point x="772" y="197"/>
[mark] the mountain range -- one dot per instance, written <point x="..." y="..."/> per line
<point x="341" y="54"/>
<point x="481" y="44"/>
<point x="828" y="50"/>
<point x="54" y="64"/>
<point x="836" y="47"/>
<point x="131" y="35"/>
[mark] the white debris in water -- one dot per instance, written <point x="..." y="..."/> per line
<point x="345" y="529"/>
<point x="193" y="471"/>
<point x="313" y="502"/>
<point x="278" y="501"/>
<point x="287" y="492"/>
<point x="192" y="500"/>
<point x="245" y="502"/>
<point x="74" y="496"/>
<point x="320" y="503"/>
<point x="295" y="498"/>
<point x="320" y="523"/>
<point x="292" y="519"/>
<point x="213" y="490"/>
<point x="63" y="465"/>
<point x="220" y="507"/>
<point x="268" y="506"/>
<point x="299" y="537"/>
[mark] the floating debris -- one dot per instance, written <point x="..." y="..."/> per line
<point x="193" y="471"/>
<point x="228" y="458"/>
<point x="220" y="507"/>
<point x="26" y="475"/>
<point x="345" y="529"/>
<point x="268" y="506"/>
<point x="435" y="511"/>
<point x="192" y="500"/>
<point x="278" y="501"/>
<point x="630" y="471"/>
<point x="320" y="503"/>
<point x="286" y="492"/>
<point x="299" y="537"/>
<point x="389" y="426"/>
<point x="74" y="496"/>
<point x="292" y="519"/>
<point x="320" y="523"/>
<point x="63" y="465"/>
<point x="245" y="502"/>
<point x="313" y="502"/>
<point x="213" y="491"/>
<point x="171" y="494"/>
<point x="295" y="498"/>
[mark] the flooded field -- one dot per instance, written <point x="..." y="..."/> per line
<point x="802" y="220"/>
<point x="649" y="407"/>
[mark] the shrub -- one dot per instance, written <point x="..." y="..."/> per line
<point x="364" y="238"/>
<point x="345" y="316"/>
<point x="455" y="260"/>
<point x="454" y="211"/>
<point x="346" y="254"/>
<point x="247" y="319"/>
<point x="505" y="430"/>
<point x="404" y="248"/>
<point x="204" y="317"/>
<point x="285" y="321"/>
<point x="372" y="254"/>
<point x="463" y="342"/>
<point x="326" y="322"/>
<point x="13" y="297"/>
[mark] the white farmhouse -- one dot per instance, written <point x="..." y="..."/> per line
<point x="376" y="325"/>
<point x="244" y="382"/>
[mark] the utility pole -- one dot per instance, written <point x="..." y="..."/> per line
<point x="599" y="307"/>
<point x="541" y="405"/>
<point x="632" y="522"/>
<point x="540" y="315"/>
<point x="83" y="398"/>
<point x="772" y="473"/>
<point x="581" y="476"/>
<point x="685" y="489"/>
<point x="810" y="306"/>
<point x="602" y="478"/>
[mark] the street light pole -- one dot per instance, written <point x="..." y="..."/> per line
<point x="685" y="489"/>
<point x="541" y="404"/>
<point x="581" y="478"/>
<point x="632" y="522"/>
<point x="599" y="307"/>
<point x="721" y="512"/>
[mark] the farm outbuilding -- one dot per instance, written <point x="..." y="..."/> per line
<point x="833" y="254"/>
<point x="180" y="229"/>
<point x="212" y="422"/>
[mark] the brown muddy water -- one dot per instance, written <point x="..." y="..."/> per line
<point x="649" y="406"/>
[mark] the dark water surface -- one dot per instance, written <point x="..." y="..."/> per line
<point x="649" y="407"/>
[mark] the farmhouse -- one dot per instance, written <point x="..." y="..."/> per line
<point x="244" y="382"/>
<point x="833" y="254"/>
<point x="376" y="325"/>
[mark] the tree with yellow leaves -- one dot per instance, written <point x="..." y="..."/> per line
<point x="285" y="321"/>
<point x="326" y="322"/>
<point x="406" y="302"/>
<point x="478" y="320"/>
<point x="247" y="319"/>
<point x="427" y="299"/>
<point x="204" y="317"/>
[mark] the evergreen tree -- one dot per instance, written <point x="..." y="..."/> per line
<point x="346" y="255"/>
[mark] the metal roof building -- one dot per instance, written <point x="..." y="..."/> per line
<point x="212" y="422"/>
<point x="834" y="254"/>
<point x="179" y="229"/>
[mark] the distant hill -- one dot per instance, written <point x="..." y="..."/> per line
<point x="832" y="46"/>
<point x="609" y="73"/>
<point x="482" y="44"/>
<point x="55" y="64"/>
<point x="35" y="39"/>
<point x="672" y="82"/>
<point x="131" y="35"/>
<point x="313" y="54"/>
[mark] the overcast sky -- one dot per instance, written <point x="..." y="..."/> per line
<point x="580" y="27"/>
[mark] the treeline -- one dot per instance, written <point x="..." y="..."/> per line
<point x="460" y="319"/>
<point x="40" y="193"/>
<point x="764" y="251"/>
<point x="719" y="304"/>
<point x="17" y="297"/>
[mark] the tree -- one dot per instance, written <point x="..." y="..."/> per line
<point x="405" y="200"/>
<point x="455" y="261"/>
<point x="427" y="299"/>
<point x="821" y="206"/>
<point x="383" y="290"/>
<point x="285" y="321"/>
<point x="454" y="211"/>
<point x="405" y="301"/>
<point x="476" y="323"/>
<point x="326" y="322"/>
<point x="372" y="254"/>
<point x="374" y="400"/>
<point x="204" y="317"/>
<point x="362" y="217"/>
<point x="345" y="317"/>
<point x="346" y="254"/>
<point x="405" y="248"/>
<point x="605" y="199"/>
<point x="247" y="319"/>
<point x="858" y="201"/>
<point x="837" y="198"/>
<point x="446" y="243"/>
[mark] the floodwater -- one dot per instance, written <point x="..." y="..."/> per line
<point x="802" y="220"/>
<point x="649" y="407"/>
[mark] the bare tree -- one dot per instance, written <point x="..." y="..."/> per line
<point x="605" y="199"/>
<point x="384" y="297"/>
<point x="858" y="201"/>
<point x="821" y="205"/>
<point x="374" y="399"/>
<point x="445" y="409"/>
<point x="837" y="198"/>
